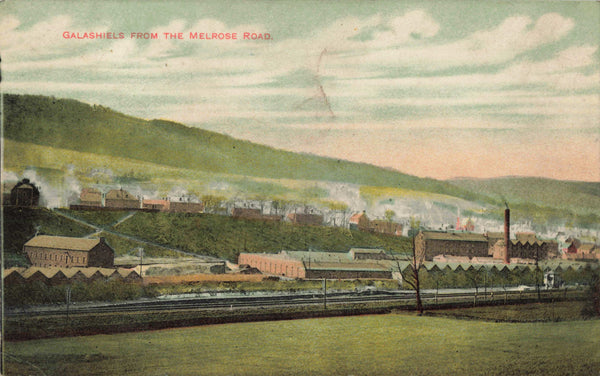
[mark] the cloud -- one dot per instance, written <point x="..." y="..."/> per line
<point x="43" y="40"/>
<point x="514" y="36"/>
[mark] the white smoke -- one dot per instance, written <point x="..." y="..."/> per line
<point x="178" y="193"/>
<point x="50" y="196"/>
<point x="218" y="186"/>
<point x="347" y="193"/>
<point x="9" y="176"/>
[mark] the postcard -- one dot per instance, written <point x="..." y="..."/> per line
<point x="300" y="187"/>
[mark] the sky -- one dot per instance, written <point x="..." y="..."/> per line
<point x="438" y="89"/>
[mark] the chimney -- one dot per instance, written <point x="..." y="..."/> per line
<point x="507" y="234"/>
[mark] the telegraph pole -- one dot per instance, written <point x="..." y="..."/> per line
<point x="68" y="301"/>
<point x="141" y="252"/>
<point x="324" y="293"/>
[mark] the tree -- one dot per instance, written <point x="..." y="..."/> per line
<point x="411" y="275"/>
<point x="390" y="214"/>
<point x="211" y="203"/>
<point x="475" y="277"/>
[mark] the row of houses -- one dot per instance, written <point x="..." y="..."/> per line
<point x="92" y="198"/>
<point x="122" y="199"/>
<point x="61" y="276"/>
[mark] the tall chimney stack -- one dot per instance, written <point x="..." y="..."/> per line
<point x="507" y="234"/>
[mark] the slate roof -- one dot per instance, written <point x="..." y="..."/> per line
<point x="120" y="194"/>
<point x="70" y="272"/>
<point x="63" y="242"/>
<point x="462" y="236"/>
<point x="318" y="256"/>
<point x="346" y="266"/>
<point x="367" y="250"/>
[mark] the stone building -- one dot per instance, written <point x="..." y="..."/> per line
<point x="526" y="246"/>
<point x="90" y="197"/>
<point x="429" y="244"/>
<point x="61" y="251"/>
<point x="186" y="207"/>
<point x="385" y="227"/>
<point x="118" y="198"/>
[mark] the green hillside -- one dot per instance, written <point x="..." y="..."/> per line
<point x="69" y="124"/>
<point x="60" y="137"/>
<point x="226" y="237"/>
<point x="579" y="197"/>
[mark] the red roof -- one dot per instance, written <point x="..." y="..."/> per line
<point x="356" y="217"/>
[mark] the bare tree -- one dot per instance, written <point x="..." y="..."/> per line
<point x="411" y="275"/>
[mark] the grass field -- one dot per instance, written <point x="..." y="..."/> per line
<point x="358" y="345"/>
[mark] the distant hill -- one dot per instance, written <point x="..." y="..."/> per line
<point x="73" y="125"/>
<point x="580" y="197"/>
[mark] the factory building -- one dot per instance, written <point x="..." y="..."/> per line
<point x="61" y="251"/>
<point x="429" y="244"/>
<point x="357" y="263"/>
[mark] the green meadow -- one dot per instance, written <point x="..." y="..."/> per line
<point x="391" y="344"/>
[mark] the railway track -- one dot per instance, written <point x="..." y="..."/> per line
<point x="257" y="302"/>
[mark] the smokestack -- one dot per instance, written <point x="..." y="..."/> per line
<point x="506" y="234"/>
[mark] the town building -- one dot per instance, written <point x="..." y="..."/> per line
<point x="578" y="250"/>
<point x="62" y="251"/>
<point x="305" y="219"/>
<point x="118" y="198"/>
<point x="359" y="221"/>
<point x="185" y="207"/>
<point x="385" y="227"/>
<point x="160" y="205"/>
<point x="90" y="197"/>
